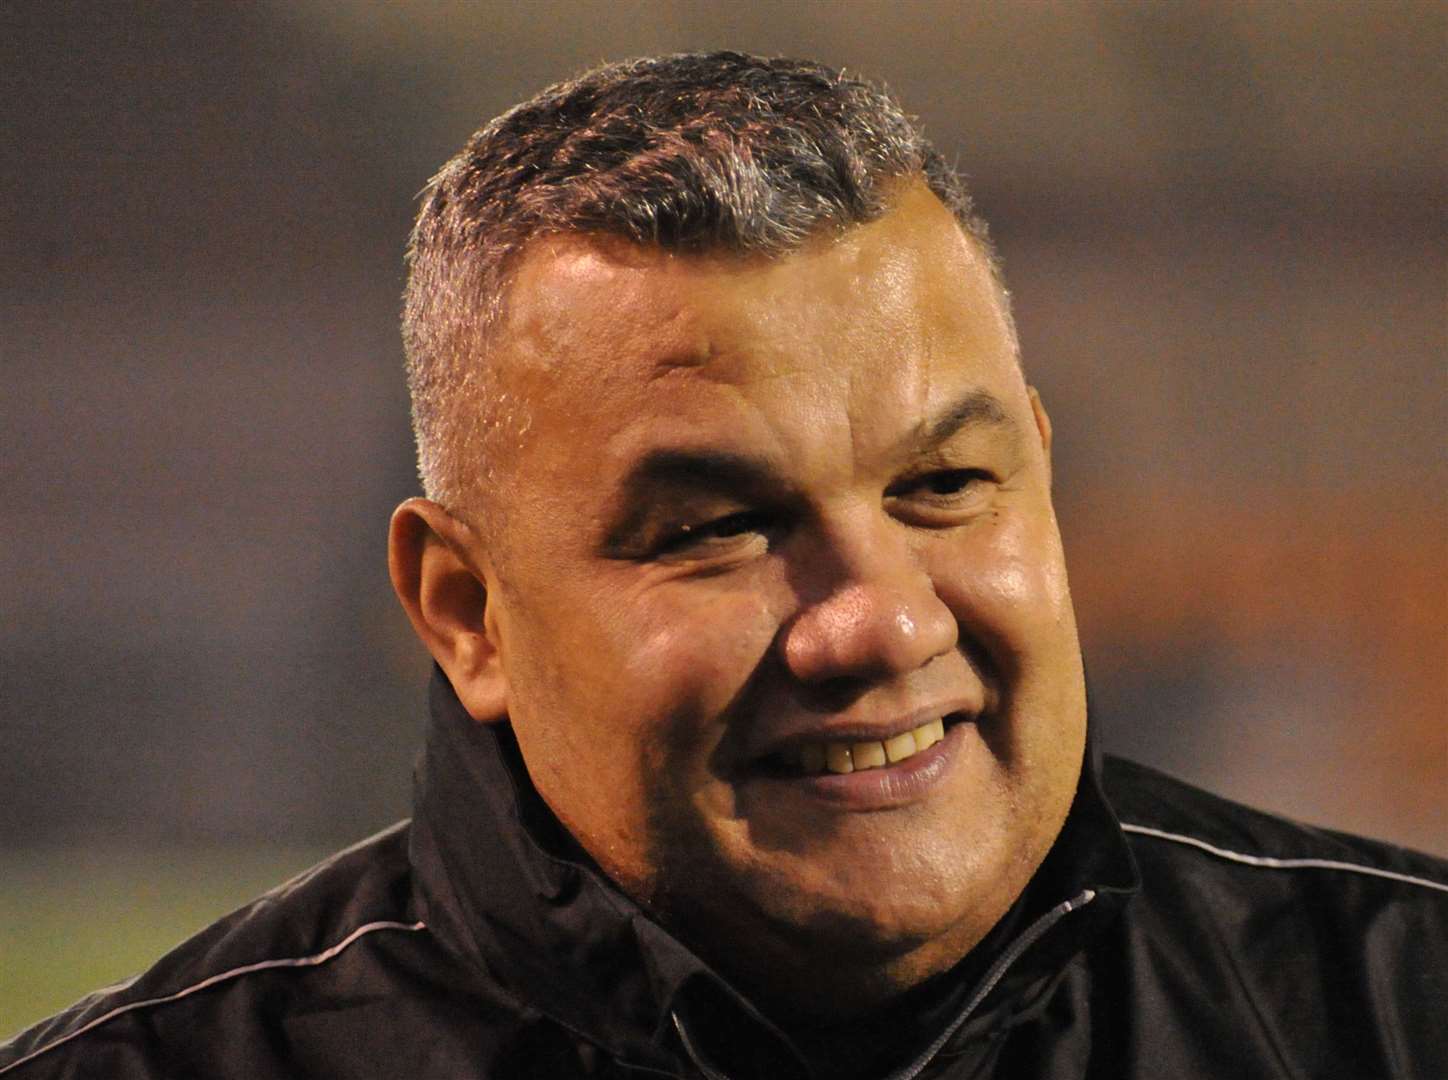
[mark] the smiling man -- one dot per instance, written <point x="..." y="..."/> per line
<point x="759" y="736"/>
<point x="776" y="610"/>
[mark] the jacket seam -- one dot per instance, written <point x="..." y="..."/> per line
<point x="312" y="960"/>
<point x="1269" y="862"/>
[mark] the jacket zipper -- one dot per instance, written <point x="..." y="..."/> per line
<point x="997" y="971"/>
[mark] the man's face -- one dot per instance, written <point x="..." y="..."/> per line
<point x="761" y="512"/>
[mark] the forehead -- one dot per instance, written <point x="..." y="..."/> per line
<point x="885" y="319"/>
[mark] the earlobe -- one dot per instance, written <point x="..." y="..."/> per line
<point x="1043" y="425"/>
<point x="435" y="564"/>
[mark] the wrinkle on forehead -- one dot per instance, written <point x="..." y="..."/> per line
<point x="847" y="307"/>
<point x="560" y="274"/>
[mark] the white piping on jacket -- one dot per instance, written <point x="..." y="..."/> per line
<point x="1271" y="863"/>
<point x="1265" y="861"/>
<point x="710" y="1073"/>
<point x="246" y="969"/>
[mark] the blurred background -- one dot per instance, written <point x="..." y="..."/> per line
<point x="1223" y="225"/>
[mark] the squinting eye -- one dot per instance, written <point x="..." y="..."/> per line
<point x="942" y="484"/>
<point x="719" y="531"/>
<point x="951" y="482"/>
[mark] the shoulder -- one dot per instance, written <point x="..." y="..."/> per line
<point x="1171" y="823"/>
<point x="1251" y="899"/>
<point x="1257" y="940"/>
<point x="235" y="999"/>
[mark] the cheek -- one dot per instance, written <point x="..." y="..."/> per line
<point x="655" y="669"/>
<point x="690" y="648"/>
<point x="683" y="661"/>
<point x="1006" y="584"/>
<point x="638" y="687"/>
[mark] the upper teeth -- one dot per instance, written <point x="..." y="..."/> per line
<point x="846" y="757"/>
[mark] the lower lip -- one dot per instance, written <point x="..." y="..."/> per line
<point x="888" y="786"/>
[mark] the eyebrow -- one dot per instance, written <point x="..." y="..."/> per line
<point x="978" y="407"/>
<point x="705" y="466"/>
<point x="736" y="473"/>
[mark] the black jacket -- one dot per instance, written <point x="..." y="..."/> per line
<point x="1190" y="937"/>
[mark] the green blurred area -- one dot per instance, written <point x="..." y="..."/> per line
<point x="78" y="918"/>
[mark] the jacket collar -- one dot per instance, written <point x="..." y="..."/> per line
<point x="503" y="883"/>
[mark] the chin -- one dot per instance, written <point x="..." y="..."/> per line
<point x="873" y="950"/>
<point x="945" y="900"/>
<point x="812" y="914"/>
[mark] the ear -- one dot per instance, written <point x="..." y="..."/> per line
<point x="438" y="570"/>
<point x="1043" y="426"/>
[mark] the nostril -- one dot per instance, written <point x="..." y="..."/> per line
<point x="838" y="693"/>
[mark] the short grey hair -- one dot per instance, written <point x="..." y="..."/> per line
<point x="700" y="152"/>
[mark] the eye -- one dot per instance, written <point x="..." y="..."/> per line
<point x="952" y="481"/>
<point x="716" y="536"/>
<point x="941" y="498"/>
<point x="941" y="485"/>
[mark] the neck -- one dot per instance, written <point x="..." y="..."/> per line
<point x="861" y="1019"/>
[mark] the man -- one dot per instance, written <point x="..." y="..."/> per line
<point x="759" y="742"/>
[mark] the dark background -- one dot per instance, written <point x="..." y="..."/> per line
<point x="1223" y="225"/>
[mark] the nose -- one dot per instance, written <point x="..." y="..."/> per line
<point x="869" y="611"/>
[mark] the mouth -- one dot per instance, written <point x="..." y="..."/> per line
<point x="843" y="756"/>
